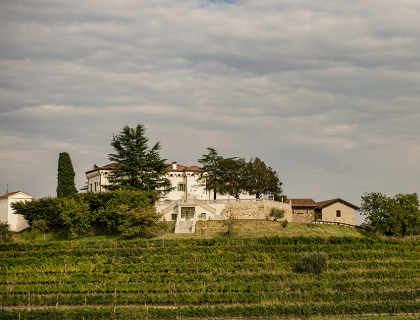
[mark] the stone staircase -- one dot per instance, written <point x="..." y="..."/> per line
<point x="185" y="227"/>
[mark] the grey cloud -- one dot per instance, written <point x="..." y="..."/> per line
<point x="325" y="92"/>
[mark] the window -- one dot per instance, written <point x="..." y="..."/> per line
<point x="306" y="211"/>
<point x="91" y="187"/>
<point x="174" y="215"/>
<point x="338" y="213"/>
<point x="181" y="186"/>
<point x="95" y="185"/>
<point x="203" y="216"/>
<point x="293" y="211"/>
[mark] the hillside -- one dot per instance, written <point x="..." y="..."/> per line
<point x="214" y="229"/>
<point x="207" y="278"/>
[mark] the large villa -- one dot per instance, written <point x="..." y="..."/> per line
<point x="189" y="201"/>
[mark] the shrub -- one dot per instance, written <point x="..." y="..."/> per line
<point x="313" y="262"/>
<point x="284" y="223"/>
<point x="5" y="233"/>
<point x="276" y="213"/>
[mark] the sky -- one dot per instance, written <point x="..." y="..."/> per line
<point x="324" y="92"/>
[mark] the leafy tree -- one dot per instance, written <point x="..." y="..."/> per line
<point x="410" y="213"/>
<point x="141" y="221"/>
<point x="284" y="224"/>
<point x="108" y="213"/>
<point x="41" y="226"/>
<point x="313" y="262"/>
<point x="279" y="197"/>
<point x="383" y="213"/>
<point x="5" y="233"/>
<point x="76" y="216"/>
<point x="65" y="177"/>
<point x="138" y="167"/>
<point x="234" y="176"/>
<point x="211" y="173"/>
<point x="261" y="179"/>
<point x="230" y="224"/>
<point x="276" y="213"/>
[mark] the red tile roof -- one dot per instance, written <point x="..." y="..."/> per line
<point x="9" y="194"/>
<point x="326" y="203"/>
<point x="302" y="203"/>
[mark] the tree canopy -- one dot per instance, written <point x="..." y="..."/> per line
<point x="138" y="167"/>
<point x="399" y="214"/>
<point x="65" y="176"/>
<point x="234" y="176"/>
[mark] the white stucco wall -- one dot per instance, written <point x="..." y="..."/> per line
<point x="16" y="221"/>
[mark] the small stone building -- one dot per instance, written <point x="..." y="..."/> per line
<point x="303" y="210"/>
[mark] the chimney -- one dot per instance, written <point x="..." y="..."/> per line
<point x="173" y="165"/>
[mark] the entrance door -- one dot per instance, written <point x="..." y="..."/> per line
<point x="187" y="213"/>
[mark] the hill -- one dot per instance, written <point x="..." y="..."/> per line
<point x="207" y="278"/>
<point x="214" y="229"/>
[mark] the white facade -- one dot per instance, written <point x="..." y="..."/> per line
<point x="16" y="221"/>
<point x="188" y="199"/>
<point x="184" y="183"/>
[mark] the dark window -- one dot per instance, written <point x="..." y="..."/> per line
<point x="338" y="213"/>
<point x="174" y="215"/>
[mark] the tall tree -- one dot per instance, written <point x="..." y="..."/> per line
<point x="382" y="213"/>
<point x="65" y="177"/>
<point x="409" y="204"/>
<point x="211" y="173"/>
<point x="261" y="179"/>
<point x="137" y="166"/>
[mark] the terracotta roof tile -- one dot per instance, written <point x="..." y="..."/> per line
<point x="326" y="203"/>
<point x="302" y="202"/>
<point x="9" y="194"/>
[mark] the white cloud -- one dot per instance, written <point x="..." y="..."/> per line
<point x="325" y="92"/>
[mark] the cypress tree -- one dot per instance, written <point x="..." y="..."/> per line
<point x="65" y="177"/>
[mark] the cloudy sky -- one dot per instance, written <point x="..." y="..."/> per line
<point x="325" y="92"/>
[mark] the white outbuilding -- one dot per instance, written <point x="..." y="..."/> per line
<point x="16" y="221"/>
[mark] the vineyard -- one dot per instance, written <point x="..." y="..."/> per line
<point x="208" y="278"/>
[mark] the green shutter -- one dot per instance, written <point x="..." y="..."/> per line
<point x="178" y="186"/>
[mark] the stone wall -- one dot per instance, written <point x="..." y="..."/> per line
<point x="248" y="211"/>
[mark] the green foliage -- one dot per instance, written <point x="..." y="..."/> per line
<point x="313" y="262"/>
<point x="138" y="167"/>
<point x="230" y="224"/>
<point x="398" y="215"/>
<point x="141" y="221"/>
<point x="261" y="179"/>
<point x="5" y="233"/>
<point x="65" y="177"/>
<point x="76" y="216"/>
<point x="41" y="209"/>
<point x="234" y="176"/>
<point x="108" y="210"/>
<point x="410" y="214"/>
<point x="276" y="213"/>
<point x="284" y="223"/>
<point x="279" y="197"/>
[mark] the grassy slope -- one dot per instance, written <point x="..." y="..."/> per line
<point x="214" y="229"/>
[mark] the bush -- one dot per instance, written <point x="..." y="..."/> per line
<point x="276" y="213"/>
<point x="284" y="223"/>
<point x="5" y="233"/>
<point x="313" y="262"/>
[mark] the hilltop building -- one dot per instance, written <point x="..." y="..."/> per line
<point x="16" y="221"/>
<point x="334" y="210"/>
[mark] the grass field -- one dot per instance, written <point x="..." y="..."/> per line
<point x="214" y="229"/>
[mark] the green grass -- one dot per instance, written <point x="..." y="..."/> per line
<point x="211" y="230"/>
